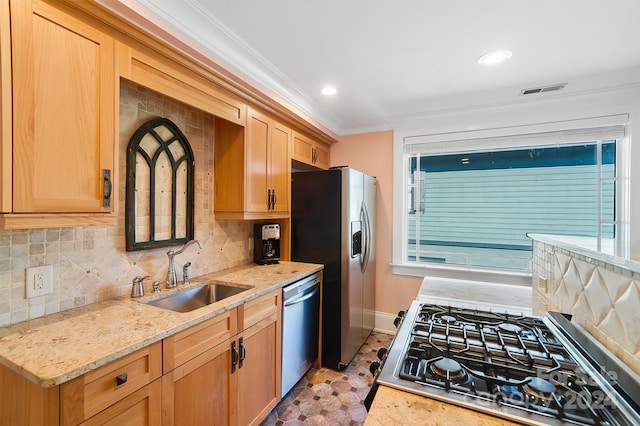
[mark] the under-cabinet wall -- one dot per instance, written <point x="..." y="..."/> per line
<point x="90" y="263"/>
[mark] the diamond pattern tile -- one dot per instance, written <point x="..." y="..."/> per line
<point x="585" y="270"/>
<point x="325" y="397"/>
<point x="613" y="327"/>
<point x="596" y="291"/>
<point x="615" y="284"/>
<point x="627" y="306"/>
<point x="606" y="303"/>
<point x="571" y="279"/>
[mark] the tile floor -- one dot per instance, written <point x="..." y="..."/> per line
<point x="327" y="397"/>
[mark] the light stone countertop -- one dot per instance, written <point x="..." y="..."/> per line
<point x="395" y="407"/>
<point x="587" y="247"/>
<point x="514" y="299"/>
<point x="59" y="347"/>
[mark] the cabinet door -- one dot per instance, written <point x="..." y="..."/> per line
<point x="310" y="152"/>
<point x="321" y="155"/>
<point x="256" y="162"/>
<point x="302" y="149"/>
<point x="280" y="167"/>
<point x="259" y="370"/>
<point x="200" y="392"/>
<point x="63" y="111"/>
<point x="6" y="136"/>
<point x="268" y="165"/>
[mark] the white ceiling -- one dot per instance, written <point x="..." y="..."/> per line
<point x="405" y="58"/>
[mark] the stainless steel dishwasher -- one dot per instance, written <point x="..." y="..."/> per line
<point x="300" y="327"/>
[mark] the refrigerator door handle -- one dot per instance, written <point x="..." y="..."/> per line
<point x="364" y="259"/>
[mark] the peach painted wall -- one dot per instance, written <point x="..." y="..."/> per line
<point x="372" y="153"/>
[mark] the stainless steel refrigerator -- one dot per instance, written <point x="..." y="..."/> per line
<point x="332" y="223"/>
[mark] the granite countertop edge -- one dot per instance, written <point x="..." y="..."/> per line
<point x="56" y="348"/>
<point x="396" y="407"/>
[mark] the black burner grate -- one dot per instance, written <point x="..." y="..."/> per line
<point x="506" y="359"/>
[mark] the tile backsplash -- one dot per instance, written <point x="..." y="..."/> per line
<point x="603" y="297"/>
<point x="90" y="263"/>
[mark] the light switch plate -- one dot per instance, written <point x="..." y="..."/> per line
<point x="39" y="281"/>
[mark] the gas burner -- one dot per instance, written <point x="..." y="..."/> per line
<point x="448" y="319"/>
<point x="540" y="388"/>
<point x="448" y="369"/>
<point x="508" y="365"/>
<point x="510" y="328"/>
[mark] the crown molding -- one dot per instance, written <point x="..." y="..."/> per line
<point x="215" y="41"/>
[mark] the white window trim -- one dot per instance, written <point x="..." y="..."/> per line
<point x="441" y="142"/>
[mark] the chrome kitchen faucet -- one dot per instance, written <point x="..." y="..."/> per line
<point x="172" y="279"/>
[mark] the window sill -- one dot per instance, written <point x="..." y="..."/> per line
<point x="460" y="273"/>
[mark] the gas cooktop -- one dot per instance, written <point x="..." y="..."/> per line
<point x="518" y="367"/>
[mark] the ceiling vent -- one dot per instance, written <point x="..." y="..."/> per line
<point x="543" y="89"/>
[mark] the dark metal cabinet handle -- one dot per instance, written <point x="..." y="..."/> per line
<point x="275" y="199"/>
<point x="234" y="356"/>
<point x="121" y="379"/>
<point x="243" y="351"/>
<point x="108" y="188"/>
<point x="268" y="199"/>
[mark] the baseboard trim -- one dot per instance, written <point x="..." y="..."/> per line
<point x="384" y="323"/>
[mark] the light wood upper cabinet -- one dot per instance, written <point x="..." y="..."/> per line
<point x="64" y="92"/>
<point x="268" y="170"/>
<point x="6" y="156"/>
<point x="310" y="152"/>
<point x="159" y="73"/>
<point x="252" y="169"/>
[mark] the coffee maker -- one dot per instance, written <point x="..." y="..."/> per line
<point x="266" y="246"/>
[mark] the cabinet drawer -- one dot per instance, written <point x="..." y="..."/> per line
<point x="89" y="394"/>
<point x="187" y="344"/>
<point x="141" y="408"/>
<point x="258" y="309"/>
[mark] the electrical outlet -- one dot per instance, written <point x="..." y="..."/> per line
<point x="39" y="280"/>
<point x="543" y="284"/>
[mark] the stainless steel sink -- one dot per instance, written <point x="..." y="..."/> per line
<point x="197" y="297"/>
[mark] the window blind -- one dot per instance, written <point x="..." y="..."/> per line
<point x="601" y="128"/>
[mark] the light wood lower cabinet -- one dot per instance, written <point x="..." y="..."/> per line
<point x="95" y="393"/>
<point x="197" y="373"/>
<point x="199" y="391"/>
<point x="140" y="408"/>
<point x="258" y="388"/>
<point x="126" y="391"/>
<point x="229" y="380"/>
<point x="208" y="374"/>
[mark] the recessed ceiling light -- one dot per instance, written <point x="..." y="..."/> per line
<point x="495" y="57"/>
<point x="329" y="91"/>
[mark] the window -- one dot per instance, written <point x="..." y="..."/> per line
<point x="475" y="208"/>
<point x="470" y="203"/>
